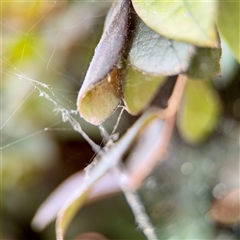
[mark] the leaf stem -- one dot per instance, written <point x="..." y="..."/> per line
<point x="175" y="99"/>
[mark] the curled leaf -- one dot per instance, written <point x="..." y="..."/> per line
<point x="187" y="21"/>
<point x="100" y="93"/>
<point x="102" y="99"/>
<point x="156" y="55"/>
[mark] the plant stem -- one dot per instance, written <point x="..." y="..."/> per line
<point x="160" y="148"/>
<point x="135" y="203"/>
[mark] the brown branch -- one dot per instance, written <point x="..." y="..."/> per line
<point x="155" y="155"/>
<point x="175" y="99"/>
<point x="161" y="146"/>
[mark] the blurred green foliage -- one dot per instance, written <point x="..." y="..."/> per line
<point x="52" y="43"/>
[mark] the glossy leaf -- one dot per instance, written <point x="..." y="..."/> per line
<point x="156" y="55"/>
<point x="199" y="111"/>
<point x="205" y="64"/>
<point x="139" y="90"/>
<point x="100" y="93"/>
<point x="229" y="25"/>
<point x="108" y="160"/>
<point x="188" y="21"/>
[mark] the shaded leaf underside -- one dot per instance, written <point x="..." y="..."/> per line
<point x="205" y="64"/>
<point x="156" y="55"/>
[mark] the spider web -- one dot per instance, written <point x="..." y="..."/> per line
<point x="39" y="78"/>
<point x="39" y="85"/>
<point x="33" y="64"/>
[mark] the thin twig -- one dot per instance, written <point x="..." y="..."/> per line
<point x="136" y="205"/>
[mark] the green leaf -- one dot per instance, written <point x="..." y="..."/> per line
<point x="199" y="111"/>
<point x="101" y="91"/>
<point x="156" y="55"/>
<point x="139" y="89"/>
<point x="205" y="64"/>
<point x="186" y="20"/>
<point x="229" y="25"/>
<point x="107" y="161"/>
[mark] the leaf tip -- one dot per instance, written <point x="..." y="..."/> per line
<point x="101" y="100"/>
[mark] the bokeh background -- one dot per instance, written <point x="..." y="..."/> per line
<point x="46" y="48"/>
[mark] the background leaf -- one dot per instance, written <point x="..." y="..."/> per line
<point x="186" y="20"/>
<point x="154" y="54"/>
<point x="182" y="186"/>
<point x="48" y="210"/>
<point x="225" y="210"/>
<point x="102" y="72"/>
<point x="199" y="111"/>
<point x="139" y="89"/>
<point x="229" y="25"/>
<point x="205" y="64"/>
